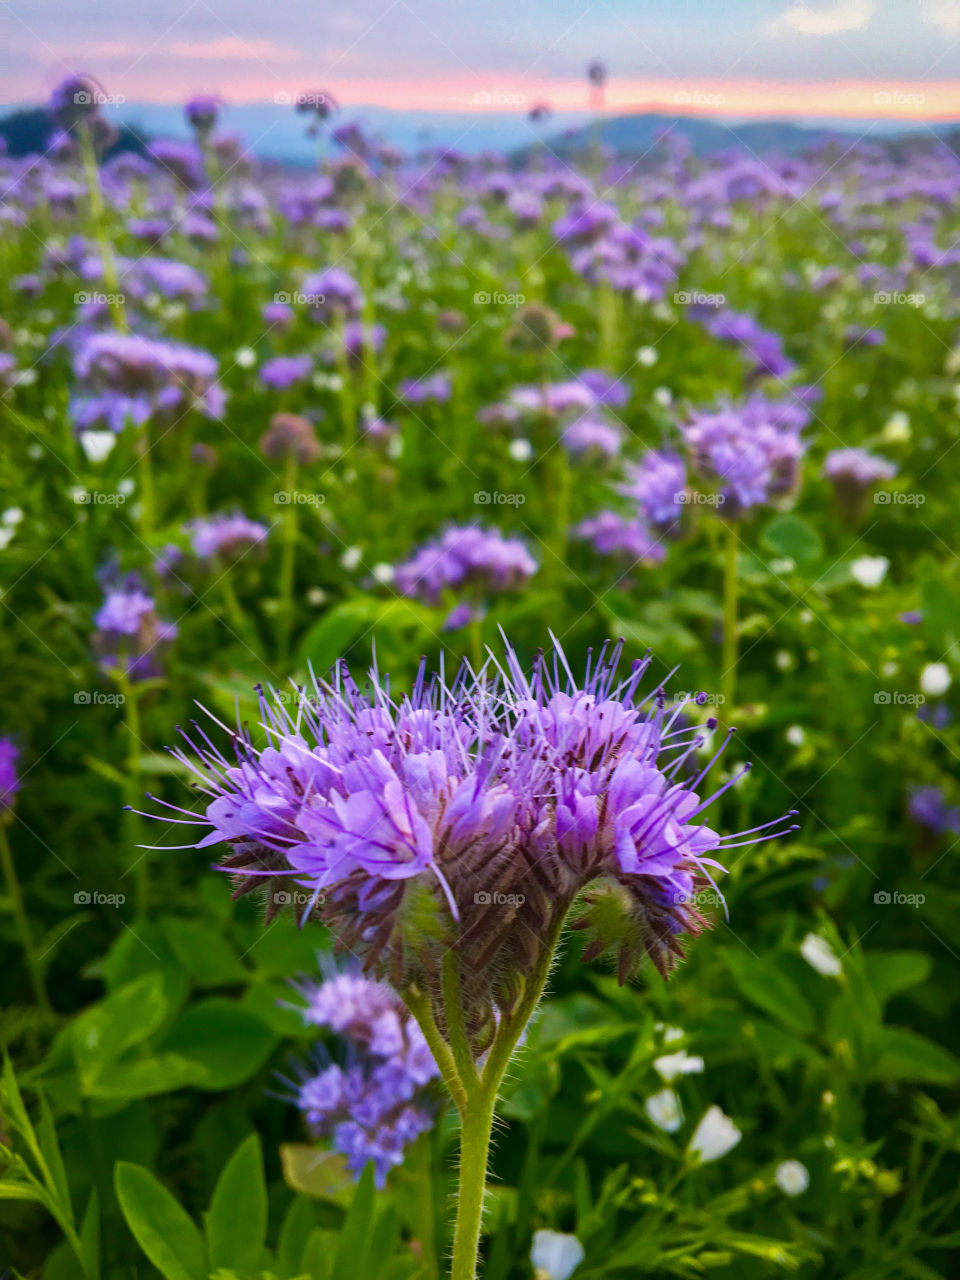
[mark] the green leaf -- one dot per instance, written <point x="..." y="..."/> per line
<point x="53" y="1159"/>
<point x="768" y="987"/>
<point x="904" y="1055"/>
<point x="316" y="1172"/>
<point x="294" y="1234"/>
<point x="355" y="1236"/>
<point x="203" y="952"/>
<point x="159" y="1225"/>
<point x="90" y="1236"/>
<point x="237" y="1221"/>
<point x="328" y="639"/>
<point x="226" y="1042"/>
<point x="792" y="538"/>
<point x="127" y="1017"/>
<point x="891" y="972"/>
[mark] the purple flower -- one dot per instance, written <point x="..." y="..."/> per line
<point x="129" y="376"/>
<point x="465" y="558"/>
<point x="331" y="294"/>
<point x="612" y="535"/>
<point x="589" y="435"/>
<point x="225" y="537"/>
<point x="283" y="372"/>
<point x="202" y="112"/>
<point x="290" y="436"/>
<point x="9" y="777"/>
<point x="764" y="347"/>
<point x="432" y="390"/>
<point x="129" y="634"/>
<point x="658" y="485"/>
<point x="928" y="808"/>
<point x="482" y="806"/>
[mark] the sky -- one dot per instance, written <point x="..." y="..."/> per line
<point x="832" y="58"/>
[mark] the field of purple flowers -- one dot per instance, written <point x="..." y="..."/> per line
<point x="632" y="486"/>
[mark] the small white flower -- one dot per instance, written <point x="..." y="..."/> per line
<point x="796" y="735"/>
<point x="663" y="397"/>
<point x="12" y="516"/>
<point x="784" y="660"/>
<point x="316" y="596"/>
<point x="869" y="571"/>
<point x="714" y="1136"/>
<point x="520" y="450"/>
<point x="245" y="358"/>
<point x="670" y="1034"/>
<point x="890" y="668"/>
<point x="25" y="377"/>
<point x="647" y="356"/>
<point x="555" y="1256"/>
<point x="806" y="617"/>
<point x="935" y="679"/>
<point x="676" y="1064"/>
<point x="351" y="558"/>
<point x="126" y="486"/>
<point x="783" y="564"/>
<point x="792" y="1177"/>
<point x="384" y="573"/>
<point x="819" y="954"/>
<point x="664" y="1110"/>
<point x="97" y="444"/>
<point x="6" y="537"/>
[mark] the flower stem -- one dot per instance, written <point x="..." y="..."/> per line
<point x="108" y="261"/>
<point x="23" y="924"/>
<point x="287" y="561"/>
<point x="728" y="677"/>
<point x="131" y="710"/>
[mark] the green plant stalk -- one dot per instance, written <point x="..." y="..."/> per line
<point x="728" y="677"/>
<point x="20" y="915"/>
<point x="288" y="561"/>
<point x="95" y="195"/>
<point x="479" y="1100"/>
<point x="134" y="788"/>
<point x="148" y="501"/>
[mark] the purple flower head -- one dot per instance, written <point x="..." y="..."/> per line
<point x="183" y="161"/>
<point x="283" y="372"/>
<point x="225" y="537"/>
<point x="128" y="634"/>
<point x="75" y="101"/>
<point x="145" y="378"/>
<point x="435" y="389"/>
<point x="854" y="473"/>
<point x="332" y="294"/>
<point x="611" y="534"/>
<point x="9" y="776"/>
<point x="928" y="808"/>
<point x="290" y="436"/>
<point x="470" y="814"/>
<point x="465" y="559"/>
<point x="764" y="347"/>
<point x="592" y="436"/>
<point x="203" y="111"/>
<point x="658" y="485"/>
<point x="279" y="315"/>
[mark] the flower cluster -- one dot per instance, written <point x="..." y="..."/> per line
<point x="471" y="815"/>
<point x="225" y="538"/>
<point x="465" y="559"/>
<point x="129" y="635"/>
<point x="376" y="1104"/>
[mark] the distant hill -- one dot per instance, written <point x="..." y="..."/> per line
<point x="29" y="130"/>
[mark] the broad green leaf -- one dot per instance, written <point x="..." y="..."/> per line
<point x="237" y="1221"/>
<point x="768" y="987"/>
<point x="904" y="1055"/>
<point x="226" y="1042"/>
<point x="294" y="1234"/>
<point x="203" y="951"/>
<point x="127" y="1017"/>
<point x="317" y="1172"/>
<point x="53" y="1159"/>
<point x="159" y="1224"/>
<point x="356" y="1233"/>
<point x="891" y="972"/>
<point x="792" y="538"/>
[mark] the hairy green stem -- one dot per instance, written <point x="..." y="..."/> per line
<point x="728" y="676"/>
<point x="287" y="561"/>
<point x="97" y="216"/>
